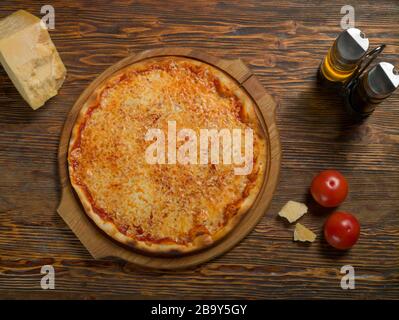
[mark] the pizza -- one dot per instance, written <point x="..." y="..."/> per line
<point x="164" y="207"/>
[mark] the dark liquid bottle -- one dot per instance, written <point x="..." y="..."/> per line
<point x="372" y="88"/>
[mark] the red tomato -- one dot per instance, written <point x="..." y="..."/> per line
<point x="329" y="188"/>
<point x="341" y="230"/>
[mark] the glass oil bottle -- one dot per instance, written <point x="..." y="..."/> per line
<point x="343" y="58"/>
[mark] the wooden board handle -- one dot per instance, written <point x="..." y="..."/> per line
<point x="96" y="242"/>
<point x="72" y="213"/>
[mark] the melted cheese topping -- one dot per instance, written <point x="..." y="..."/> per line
<point x="159" y="203"/>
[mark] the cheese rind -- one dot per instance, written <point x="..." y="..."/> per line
<point x="293" y="210"/>
<point x="30" y="58"/>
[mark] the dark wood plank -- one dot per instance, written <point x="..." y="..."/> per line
<point x="283" y="44"/>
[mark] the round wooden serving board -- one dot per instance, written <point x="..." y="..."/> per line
<point x="98" y="243"/>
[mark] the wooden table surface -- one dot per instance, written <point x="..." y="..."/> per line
<point x="283" y="42"/>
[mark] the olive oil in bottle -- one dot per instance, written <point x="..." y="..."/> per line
<point x="344" y="57"/>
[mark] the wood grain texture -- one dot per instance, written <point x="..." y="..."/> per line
<point x="283" y="44"/>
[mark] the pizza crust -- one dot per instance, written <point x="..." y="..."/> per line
<point x="199" y="242"/>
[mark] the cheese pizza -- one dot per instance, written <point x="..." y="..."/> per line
<point x="163" y="207"/>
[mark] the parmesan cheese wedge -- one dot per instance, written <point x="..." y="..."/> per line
<point x="301" y="233"/>
<point x="30" y="58"/>
<point x="293" y="210"/>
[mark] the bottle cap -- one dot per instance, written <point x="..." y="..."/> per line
<point x="381" y="80"/>
<point x="350" y="46"/>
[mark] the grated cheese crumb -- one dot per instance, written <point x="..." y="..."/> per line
<point x="293" y="210"/>
<point x="301" y="233"/>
